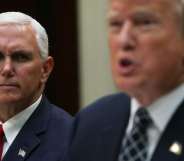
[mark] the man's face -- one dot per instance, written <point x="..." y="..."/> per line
<point x="22" y="71"/>
<point x="147" y="47"/>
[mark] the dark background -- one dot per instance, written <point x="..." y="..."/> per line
<point x="59" y="17"/>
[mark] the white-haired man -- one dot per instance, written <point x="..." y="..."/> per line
<point x="33" y="129"/>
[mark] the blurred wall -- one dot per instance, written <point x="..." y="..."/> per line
<point x="95" y="73"/>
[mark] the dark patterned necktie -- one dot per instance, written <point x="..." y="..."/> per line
<point x="134" y="146"/>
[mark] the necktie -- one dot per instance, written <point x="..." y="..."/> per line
<point x="134" y="146"/>
<point x="1" y="141"/>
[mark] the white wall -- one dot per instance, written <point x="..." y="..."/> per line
<point x="95" y="73"/>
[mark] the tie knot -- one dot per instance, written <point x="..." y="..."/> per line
<point x="142" y="118"/>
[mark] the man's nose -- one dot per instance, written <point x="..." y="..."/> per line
<point x="6" y="67"/>
<point x="127" y="37"/>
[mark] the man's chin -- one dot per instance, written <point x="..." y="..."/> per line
<point x="9" y="99"/>
<point x="128" y="87"/>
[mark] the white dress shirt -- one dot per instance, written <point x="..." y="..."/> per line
<point x="161" y="112"/>
<point x="12" y="126"/>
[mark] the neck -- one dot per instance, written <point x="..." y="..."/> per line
<point x="7" y="112"/>
<point x="147" y="98"/>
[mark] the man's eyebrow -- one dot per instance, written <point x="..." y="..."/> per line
<point x="145" y="13"/>
<point x="22" y="51"/>
<point x="112" y="14"/>
<point x="138" y="13"/>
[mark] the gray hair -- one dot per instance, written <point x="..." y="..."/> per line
<point x="23" y="19"/>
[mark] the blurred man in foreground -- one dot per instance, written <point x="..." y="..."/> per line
<point x="144" y="122"/>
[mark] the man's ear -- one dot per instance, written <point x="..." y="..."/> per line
<point x="47" y="68"/>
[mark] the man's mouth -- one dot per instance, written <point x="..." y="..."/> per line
<point x="126" y="66"/>
<point x="125" y="62"/>
<point x="8" y="85"/>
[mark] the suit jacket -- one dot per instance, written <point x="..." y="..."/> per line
<point x="99" y="130"/>
<point x="44" y="137"/>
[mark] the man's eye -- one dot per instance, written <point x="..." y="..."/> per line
<point x="1" y="56"/>
<point x="115" y="25"/>
<point x="145" y="22"/>
<point x="21" y="57"/>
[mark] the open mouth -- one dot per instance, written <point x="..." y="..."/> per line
<point x="125" y="62"/>
<point x="126" y="66"/>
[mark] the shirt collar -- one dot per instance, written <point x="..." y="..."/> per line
<point x="162" y="109"/>
<point x="12" y="126"/>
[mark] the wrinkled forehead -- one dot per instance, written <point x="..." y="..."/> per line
<point x="16" y="27"/>
<point x="14" y="36"/>
<point x="165" y="3"/>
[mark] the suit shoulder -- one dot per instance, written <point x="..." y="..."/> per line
<point x="107" y="112"/>
<point x="61" y="123"/>
<point x="108" y="102"/>
<point x="58" y="114"/>
<point x="108" y="107"/>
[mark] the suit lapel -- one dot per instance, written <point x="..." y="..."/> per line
<point x="29" y="137"/>
<point x="171" y="144"/>
<point x="113" y="131"/>
<point x="22" y="148"/>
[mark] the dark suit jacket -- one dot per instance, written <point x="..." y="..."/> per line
<point x="44" y="137"/>
<point x="99" y="130"/>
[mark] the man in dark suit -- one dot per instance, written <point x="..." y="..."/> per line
<point x="34" y="129"/>
<point x="146" y="42"/>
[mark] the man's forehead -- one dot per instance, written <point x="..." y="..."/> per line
<point x="142" y="5"/>
<point x="145" y="1"/>
<point x="15" y="27"/>
<point x="135" y="1"/>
